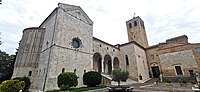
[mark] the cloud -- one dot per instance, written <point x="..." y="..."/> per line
<point x="172" y="18"/>
<point x="163" y="19"/>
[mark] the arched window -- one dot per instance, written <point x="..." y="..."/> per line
<point x="135" y="23"/>
<point x="74" y="70"/>
<point x="39" y="72"/>
<point x="127" y="62"/>
<point x="63" y="70"/>
<point x="44" y="71"/>
<point x="36" y="72"/>
<point x="129" y="25"/>
<point x="29" y="73"/>
<point x="84" y="71"/>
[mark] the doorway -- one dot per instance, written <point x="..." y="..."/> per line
<point x="155" y="71"/>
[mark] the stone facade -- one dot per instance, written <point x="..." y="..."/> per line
<point x="136" y="31"/>
<point x="64" y="42"/>
<point x="174" y="57"/>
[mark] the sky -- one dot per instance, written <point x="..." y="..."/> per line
<point x="164" y="19"/>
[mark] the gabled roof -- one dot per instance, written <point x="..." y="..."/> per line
<point x="69" y="8"/>
<point x="94" y="38"/>
<point x="133" y="42"/>
<point x="50" y="15"/>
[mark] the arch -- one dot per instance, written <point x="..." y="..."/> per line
<point x="155" y="69"/>
<point x="127" y="61"/>
<point x="63" y="70"/>
<point x="29" y="73"/>
<point x="107" y="64"/>
<point x="154" y="64"/>
<point x="97" y="64"/>
<point x="116" y="63"/>
<point x="130" y="25"/>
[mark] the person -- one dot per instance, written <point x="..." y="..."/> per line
<point x="197" y="76"/>
<point x="161" y="77"/>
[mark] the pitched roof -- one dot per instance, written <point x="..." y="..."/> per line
<point x="69" y="8"/>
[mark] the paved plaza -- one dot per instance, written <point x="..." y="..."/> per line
<point x="160" y="87"/>
<point x="163" y="87"/>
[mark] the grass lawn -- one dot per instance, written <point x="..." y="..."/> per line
<point x="80" y="89"/>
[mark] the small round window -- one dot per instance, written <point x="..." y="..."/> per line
<point x="76" y="43"/>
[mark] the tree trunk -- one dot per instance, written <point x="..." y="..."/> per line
<point x="118" y="83"/>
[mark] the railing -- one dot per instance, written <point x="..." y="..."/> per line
<point x="106" y="80"/>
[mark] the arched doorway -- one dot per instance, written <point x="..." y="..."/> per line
<point x="107" y="64"/>
<point x="155" y="70"/>
<point x="97" y="62"/>
<point x="116" y="63"/>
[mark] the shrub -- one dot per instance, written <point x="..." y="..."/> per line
<point x="12" y="86"/>
<point x="26" y="80"/>
<point x="66" y="80"/>
<point x="92" y="78"/>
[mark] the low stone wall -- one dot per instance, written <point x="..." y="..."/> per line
<point x="180" y="79"/>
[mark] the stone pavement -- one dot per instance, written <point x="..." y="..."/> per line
<point x="164" y="87"/>
<point x="146" y="87"/>
<point x="161" y="87"/>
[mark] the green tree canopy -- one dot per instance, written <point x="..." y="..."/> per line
<point x="92" y="78"/>
<point x="6" y="65"/>
<point x="26" y="80"/>
<point x="119" y="75"/>
<point x="66" y="80"/>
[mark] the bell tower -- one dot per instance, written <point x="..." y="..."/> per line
<point x="136" y="31"/>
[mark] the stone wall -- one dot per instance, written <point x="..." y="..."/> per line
<point x="104" y="49"/>
<point x="152" y="58"/>
<point x="136" y="31"/>
<point x="49" y="24"/>
<point x="182" y="55"/>
<point x="62" y="55"/>
<point x="141" y="60"/>
<point x="28" y="53"/>
<point x="131" y="64"/>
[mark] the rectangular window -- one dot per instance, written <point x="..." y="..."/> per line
<point x="198" y="50"/>
<point x="178" y="70"/>
<point x="127" y="62"/>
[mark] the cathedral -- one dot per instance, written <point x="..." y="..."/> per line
<point x="64" y="42"/>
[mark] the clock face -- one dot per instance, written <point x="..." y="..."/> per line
<point x="76" y="43"/>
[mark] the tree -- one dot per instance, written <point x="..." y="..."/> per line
<point x="119" y="75"/>
<point x="92" y="78"/>
<point x="66" y="80"/>
<point x="26" y="81"/>
<point x="0" y="40"/>
<point x="6" y="65"/>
